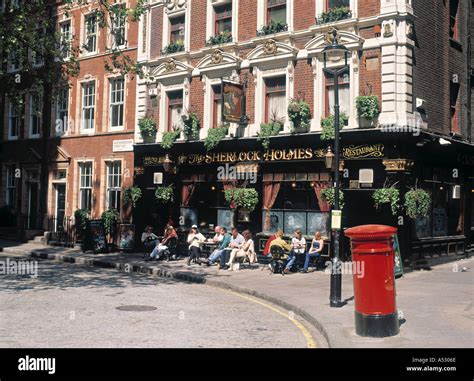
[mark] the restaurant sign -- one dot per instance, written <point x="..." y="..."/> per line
<point x="288" y="154"/>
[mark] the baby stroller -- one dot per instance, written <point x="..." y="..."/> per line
<point x="277" y="265"/>
<point x="171" y="251"/>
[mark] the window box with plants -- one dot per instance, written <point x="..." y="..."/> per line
<point x="299" y="114"/>
<point x="327" y="126"/>
<point x="215" y="136"/>
<point x="169" y="138"/>
<point x="272" y="28"/>
<point x="334" y="15"/>
<point x="368" y="110"/>
<point x="221" y="38"/>
<point x="191" y="126"/>
<point x="173" y="47"/>
<point x="147" y="128"/>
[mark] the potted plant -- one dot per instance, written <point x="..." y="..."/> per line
<point x="169" y="138"/>
<point x="147" y="128"/>
<point x="273" y="27"/>
<point x="299" y="113"/>
<point x="110" y="219"/>
<point x="389" y="196"/>
<point x="246" y="198"/>
<point x="334" y="14"/>
<point x="214" y="136"/>
<point x="191" y="126"/>
<point x="173" y="47"/>
<point x="417" y="203"/>
<point x="220" y="38"/>
<point x="329" y="195"/>
<point x="131" y="195"/>
<point x="164" y="194"/>
<point x="368" y="110"/>
<point x="327" y="126"/>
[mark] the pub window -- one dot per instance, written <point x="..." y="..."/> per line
<point x="35" y="115"/>
<point x="85" y="186"/>
<point x="117" y="95"/>
<point x="453" y="19"/>
<point x="276" y="11"/>
<point x="118" y="30"/>
<point x="275" y="99"/>
<point x="88" y="105"/>
<point x="11" y="187"/>
<point x="223" y="18"/>
<point x="330" y="4"/>
<point x="90" y="33"/>
<point x="216" y="106"/>
<point x="177" y="25"/>
<point x="13" y="121"/>
<point x="114" y="185"/>
<point x="175" y="109"/>
<point x="344" y="94"/>
<point x="65" y="39"/>
<point x="454" y="95"/>
<point x="62" y="110"/>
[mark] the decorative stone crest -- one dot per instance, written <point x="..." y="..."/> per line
<point x="216" y="57"/>
<point x="170" y="65"/>
<point x="331" y="35"/>
<point x="174" y="5"/>
<point x="410" y="31"/>
<point x="270" y="47"/>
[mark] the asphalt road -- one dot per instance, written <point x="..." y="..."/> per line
<point x="70" y="306"/>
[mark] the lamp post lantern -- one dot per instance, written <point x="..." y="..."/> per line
<point x="334" y="53"/>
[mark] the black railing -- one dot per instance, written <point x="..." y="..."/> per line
<point x="61" y="230"/>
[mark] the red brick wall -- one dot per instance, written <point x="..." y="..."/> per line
<point x="304" y="83"/>
<point x="371" y="78"/>
<point x="197" y="24"/>
<point x="368" y="8"/>
<point x="303" y="15"/>
<point x="247" y="20"/>
<point x="156" y="35"/>
<point x="196" y="101"/>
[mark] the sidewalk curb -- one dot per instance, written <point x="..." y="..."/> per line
<point x="163" y="273"/>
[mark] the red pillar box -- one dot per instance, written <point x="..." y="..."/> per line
<point x="374" y="293"/>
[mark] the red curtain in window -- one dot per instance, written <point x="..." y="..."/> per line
<point x="318" y="187"/>
<point x="187" y="191"/>
<point x="270" y="193"/>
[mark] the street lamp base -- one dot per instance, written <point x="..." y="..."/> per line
<point x="336" y="303"/>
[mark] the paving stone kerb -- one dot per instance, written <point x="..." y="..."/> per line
<point x="428" y="305"/>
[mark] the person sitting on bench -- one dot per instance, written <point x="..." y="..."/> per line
<point x="149" y="239"/>
<point x="315" y="251"/>
<point x="195" y="241"/>
<point x="280" y="242"/>
<point x="163" y="245"/>
<point x="247" y="250"/>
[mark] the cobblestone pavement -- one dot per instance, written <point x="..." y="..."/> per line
<point x="74" y="306"/>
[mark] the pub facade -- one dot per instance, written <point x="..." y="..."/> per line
<point x="272" y="51"/>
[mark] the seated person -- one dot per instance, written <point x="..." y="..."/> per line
<point x="280" y="242"/>
<point x="218" y="236"/>
<point x="236" y="242"/>
<point x="298" y="244"/>
<point x="266" y="250"/>
<point x="195" y="241"/>
<point x="246" y="250"/>
<point x="315" y="251"/>
<point x="149" y="239"/>
<point x="223" y="244"/>
<point x="162" y="246"/>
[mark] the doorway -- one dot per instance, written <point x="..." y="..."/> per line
<point x="60" y="207"/>
<point x="32" y="205"/>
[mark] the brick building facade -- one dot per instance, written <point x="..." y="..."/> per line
<point x="410" y="55"/>
<point x="88" y="144"/>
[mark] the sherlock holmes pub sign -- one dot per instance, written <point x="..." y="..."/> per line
<point x="349" y="152"/>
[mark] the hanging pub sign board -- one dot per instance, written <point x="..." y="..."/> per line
<point x="98" y="236"/>
<point x="398" y="257"/>
<point x="232" y="94"/>
<point x="126" y="237"/>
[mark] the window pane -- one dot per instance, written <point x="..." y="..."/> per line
<point x="338" y="3"/>
<point x="277" y="15"/>
<point x="276" y="108"/>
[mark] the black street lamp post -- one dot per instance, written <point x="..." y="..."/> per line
<point x="335" y="53"/>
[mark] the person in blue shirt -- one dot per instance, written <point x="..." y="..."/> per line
<point x="223" y="244"/>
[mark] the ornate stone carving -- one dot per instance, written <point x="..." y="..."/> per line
<point x="396" y="165"/>
<point x="170" y="65"/>
<point x="216" y="57"/>
<point x="387" y="30"/>
<point x="270" y="47"/>
<point x="174" y="5"/>
<point x="331" y="35"/>
<point x="410" y="31"/>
